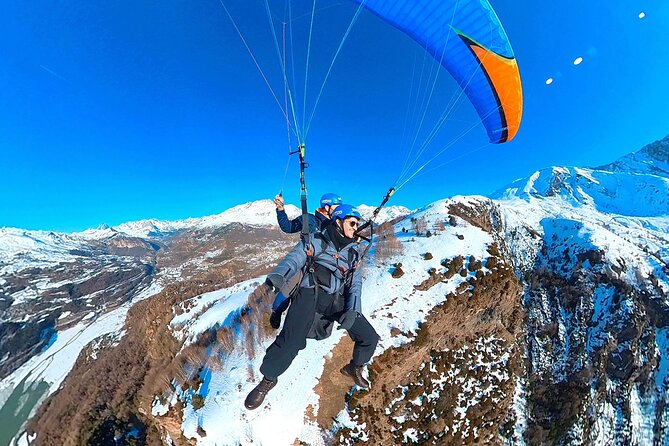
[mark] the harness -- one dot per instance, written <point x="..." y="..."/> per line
<point x="343" y="272"/>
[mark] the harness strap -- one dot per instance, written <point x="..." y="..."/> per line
<point x="346" y="273"/>
<point x="304" y="234"/>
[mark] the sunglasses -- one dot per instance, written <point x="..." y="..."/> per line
<point x="352" y="223"/>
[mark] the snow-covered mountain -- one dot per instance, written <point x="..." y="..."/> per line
<point x="537" y="316"/>
<point x="22" y="249"/>
<point x="387" y="213"/>
<point x="652" y="159"/>
<point x="592" y="246"/>
<point x="620" y="193"/>
<point x="257" y="213"/>
<point x="46" y="244"/>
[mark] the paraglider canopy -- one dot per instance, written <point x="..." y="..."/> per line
<point x="467" y="39"/>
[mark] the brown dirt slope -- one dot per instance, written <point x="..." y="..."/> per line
<point x="113" y="394"/>
<point x="333" y="386"/>
<point x="454" y="383"/>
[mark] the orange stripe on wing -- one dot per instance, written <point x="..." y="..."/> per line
<point x="505" y="78"/>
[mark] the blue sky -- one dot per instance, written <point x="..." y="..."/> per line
<point x="119" y="111"/>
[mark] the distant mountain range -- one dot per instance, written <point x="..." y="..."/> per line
<point x="538" y="315"/>
<point x="46" y="244"/>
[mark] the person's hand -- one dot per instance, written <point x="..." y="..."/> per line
<point x="274" y="282"/>
<point x="347" y="320"/>
<point x="278" y="201"/>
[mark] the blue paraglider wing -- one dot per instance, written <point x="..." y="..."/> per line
<point x="467" y="39"/>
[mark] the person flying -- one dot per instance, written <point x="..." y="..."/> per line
<point x="317" y="222"/>
<point x="330" y="291"/>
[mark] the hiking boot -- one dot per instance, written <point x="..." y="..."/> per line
<point x="275" y="319"/>
<point x="355" y="373"/>
<point x="256" y="396"/>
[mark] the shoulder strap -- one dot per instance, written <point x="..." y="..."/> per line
<point x="311" y="250"/>
<point x="353" y="263"/>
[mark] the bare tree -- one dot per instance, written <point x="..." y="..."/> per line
<point x="419" y="225"/>
<point x="387" y="243"/>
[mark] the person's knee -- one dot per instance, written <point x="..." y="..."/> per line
<point x="292" y="345"/>
<point x="280" y="341"/>
<point x="371" y="338"/>
<point x="375" y="338"/>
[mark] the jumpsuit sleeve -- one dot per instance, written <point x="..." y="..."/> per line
<point x="314" y="225"/>
<point x="288" y="226"/>
<point x="353" y="299"/>
<point x="292" y="263"/>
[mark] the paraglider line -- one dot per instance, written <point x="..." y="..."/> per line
<point x="408" y="110"/>
<point x="322" y="8"/>
<point x="306" y="70"/>
<point x="285" y="99"/>
<point x="434" y="83"/>
<point x="426" y="105"/>
<point x="466" y="153"/>
<point x="445" y="116"/>
<point x="416" y="108"/>
<point x="285" y="86"/>
<point x="283" y="70"/>
<point x="449" y="145"/>
<point x="423" y="110"/>
<point x="327" y="75"/>
<point x="285" y="173"/>
<point x="255" y="61"/>
<point x="292" y="46"/>
<point x="54" y="73"/>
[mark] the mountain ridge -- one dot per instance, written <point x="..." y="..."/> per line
<point x="258" y="213"/>
<point x="576" y="351"/>
<point x="635" y="185"/>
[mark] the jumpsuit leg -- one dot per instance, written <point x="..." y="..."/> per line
<point x="293" y="335"/>
<point x="365" y="338"/>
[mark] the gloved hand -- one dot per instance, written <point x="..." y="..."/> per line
<point x="347" y="320"/>
<point x="278" y="201"/>
<point x="275" y="282"/>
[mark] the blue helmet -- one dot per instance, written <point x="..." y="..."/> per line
<point x="329" y="199"/>
<point x="345" y="210"/>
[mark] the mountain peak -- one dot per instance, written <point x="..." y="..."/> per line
<point x="386" y="214"/>
<point x="652" y="159"/>
<point x="261" y="213"/>
<point x="658" y="150"/>
<point x="636" y="184"/>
